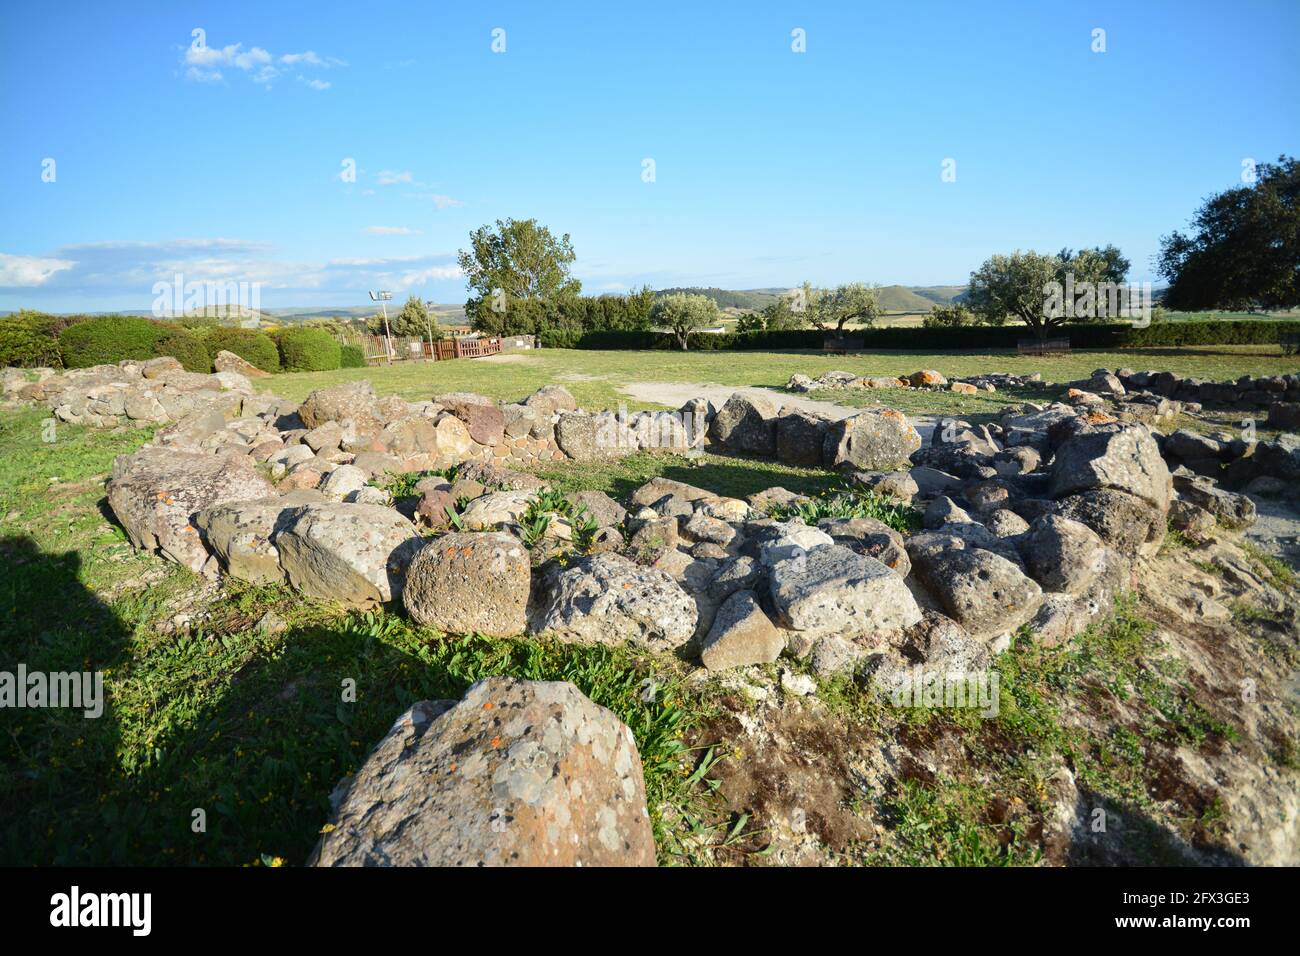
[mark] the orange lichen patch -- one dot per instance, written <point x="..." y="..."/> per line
<point x="891" y="413"/>
<point x="965" y="388"/>
<point x="452" y="768"/>
<point x="488" y="705"/>
<point x="626" y="585"/>
<point x="496" y="743"/>
<point x="1100" y="418"/>
<point x="1074" y="393"/>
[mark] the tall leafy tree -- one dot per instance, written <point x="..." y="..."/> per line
<point x="516" y="260"/>
<point x="1012" y="287"/>
<point x="1016" y="287"/>
<point x="1243" y="248"/>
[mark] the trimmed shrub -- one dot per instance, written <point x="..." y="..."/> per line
<point x="187" y="347"/>
<point x="309" y="350"/>
<point x="108" y="339"/>
<point x="351" y="356"/>
<point x="256" y="348"/>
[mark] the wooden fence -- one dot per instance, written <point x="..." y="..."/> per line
<point x="406" y="348"/>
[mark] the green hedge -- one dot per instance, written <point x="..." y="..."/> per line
<point x="964" y="338"/>
<point x="188" y="347"/>
<point x="351" y="356"/>
<point x="108" y="339"/>
<point x="256" y="348"/>
<point x="1214" y="332"/>
<point x="309" y="350"/>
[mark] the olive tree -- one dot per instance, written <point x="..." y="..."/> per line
<point x="682" y="314"/>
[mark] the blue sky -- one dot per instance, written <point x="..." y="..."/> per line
<point x="771" y="167"/>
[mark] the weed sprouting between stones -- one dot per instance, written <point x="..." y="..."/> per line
<point x="851" y="503"/>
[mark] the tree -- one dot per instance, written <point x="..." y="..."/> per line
<point x="412" y="320"/>
<point x="835" y="308"/>
<point x="517" y="260"/>
<point x="1244" y="248"/>
<point x="1107" y="265"/>
<point x="951" y="316"/>
<point x="1019" y="286"/>
<point x="781" y="314"/>
<point x="683" y="314"/>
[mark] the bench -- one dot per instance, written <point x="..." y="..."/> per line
<point x="1042" y="346"/>
<point x="840" y="344"/>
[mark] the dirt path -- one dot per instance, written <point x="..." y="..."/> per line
<point x="675" y="394"/>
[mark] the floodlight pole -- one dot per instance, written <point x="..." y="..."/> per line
<point x="428" y="324"/>
<point x="382" y="297"/>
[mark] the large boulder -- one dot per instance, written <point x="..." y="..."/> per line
<point x="230" y="362"/>
<point x="350" y="401"/>
<point x="875" y="440"/>
<point x="799" y="437"/>
<point x="519" y="773"/>
<point x="464" y="583"/>
<point x="485" y="421"/>
<point x="353" y="554"/>
<point x="1229" y="509"/>
<point x="607" y="599"/>
<point x="1123" y="459"/>
<point x="495" y="509"/>
<point x="985" y="593"/>
<point x="1062" y="554"/>
<point x="834" y="591"/>
<point x="1127" y="523"/>
<point x="741" y="634"/>
<point x="657" y="489"/>
<point x="604" y="510"/>
<point x="156" y="492"/>
<point x="746" y="424"/>
<point x="550" y="399"/>
<point x="242" y="533"/>
<point x="586" y="438"/>
<point x="433" y="444"/>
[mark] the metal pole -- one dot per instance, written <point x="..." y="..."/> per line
<point x="428" y="324"/>
<point x="388" y="336"/>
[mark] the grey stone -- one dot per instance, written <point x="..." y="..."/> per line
<point x="464" y="583"/>
<point x="607" y="599"/>
<point x="519" y="773"/>
<point x="741" y="634"/>
<point x="832" y="590"/>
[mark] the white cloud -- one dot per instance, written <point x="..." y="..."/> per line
<point x="310" y="58"/>
<point x="118" y="269"/>
<point x="390" y="231"/>
<point x="29" y="271"/>
<point x="205" y="64"/>
<point x="390" y="177"/>
<point x="444" y="202"/>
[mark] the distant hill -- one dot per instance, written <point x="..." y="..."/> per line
<point x="746" y="299"/>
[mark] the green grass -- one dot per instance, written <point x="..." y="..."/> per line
<point x="244" y="721"/>
<point x="248" y="723"/>
<point x="595" y="377"/>
<point x="721" y="474"/>
<point x="852" y="503"/>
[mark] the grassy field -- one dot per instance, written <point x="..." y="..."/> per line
<point x="226" y="698"/>
<point x="594" y="377"/>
